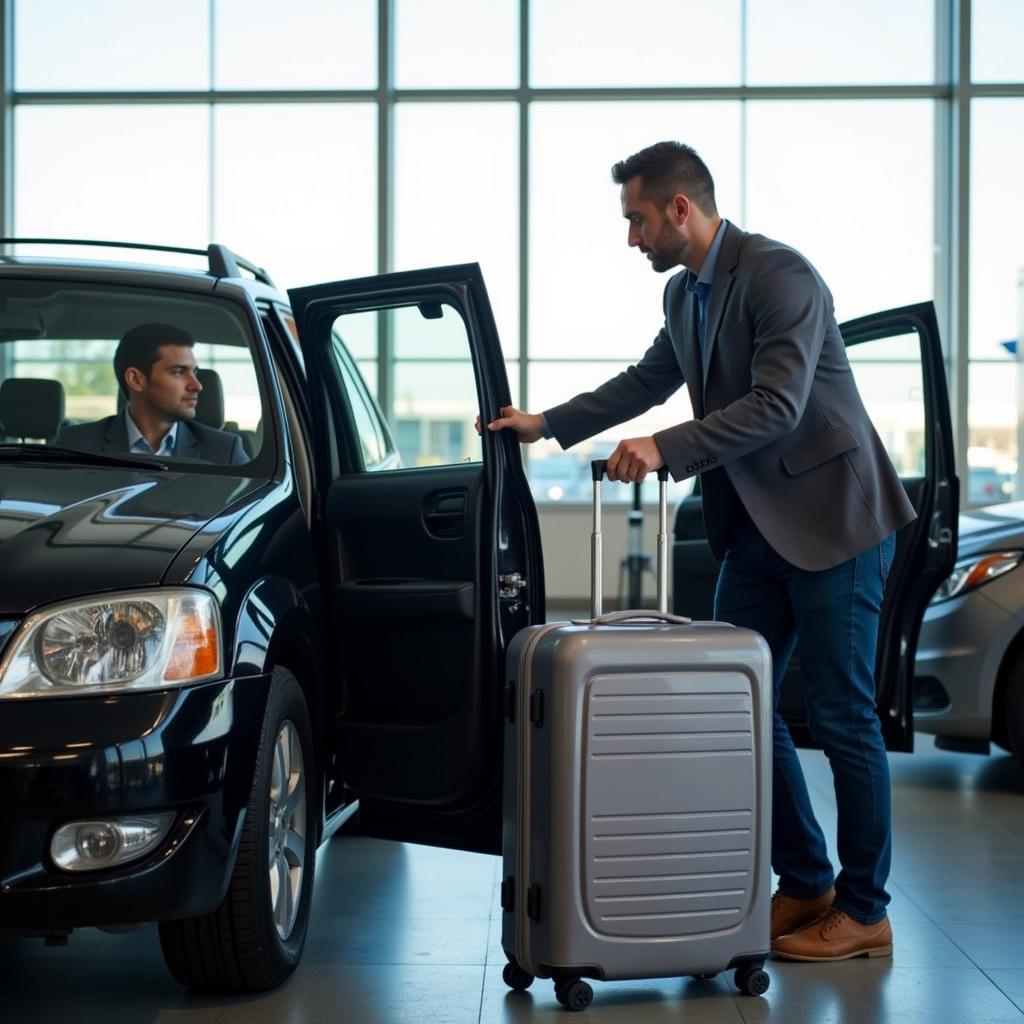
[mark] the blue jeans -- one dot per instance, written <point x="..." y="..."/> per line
<point x="833" y="615"/>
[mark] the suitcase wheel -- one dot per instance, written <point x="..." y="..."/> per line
<point x="515" y="977"/>
<point x="752" y="980"/>
<point x="574" y="995"/>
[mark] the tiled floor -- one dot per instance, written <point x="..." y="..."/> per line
<point x="408" y="934"/>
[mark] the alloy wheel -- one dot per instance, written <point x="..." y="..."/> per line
<point x="287" y="832"/>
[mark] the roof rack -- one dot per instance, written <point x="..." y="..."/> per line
<point x="221" y="260"/>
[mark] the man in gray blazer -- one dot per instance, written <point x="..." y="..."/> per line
<point x="156" y="371"/>
<point x="801" y="502"/>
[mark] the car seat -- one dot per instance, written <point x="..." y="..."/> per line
<point x="210" y="409"/>
<point x="31" y="408"/>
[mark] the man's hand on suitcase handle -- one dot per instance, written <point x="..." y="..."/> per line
<point x="633" y="459"/>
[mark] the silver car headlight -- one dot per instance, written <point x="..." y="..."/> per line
<point x="142" y="640"/>
<point x="972" y="572"/>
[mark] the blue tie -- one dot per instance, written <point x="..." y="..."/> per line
<point x="702" y="309"/>
<point x="702" y="323"/>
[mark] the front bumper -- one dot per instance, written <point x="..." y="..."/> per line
<point x="961" y="646"/>
<point x="191" y="750"/>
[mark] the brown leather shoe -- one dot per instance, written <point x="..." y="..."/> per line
<point x="790" y="914"/>
<point x="835" y="936"/>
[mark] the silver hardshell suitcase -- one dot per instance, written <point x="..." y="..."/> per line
<point x="637" y="800"/>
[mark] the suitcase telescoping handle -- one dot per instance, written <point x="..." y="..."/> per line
<point x="598" y="468"/>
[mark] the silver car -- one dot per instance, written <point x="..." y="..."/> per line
<point x="969" y="671"/>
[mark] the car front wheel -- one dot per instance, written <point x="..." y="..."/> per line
<point x="254" y="939"/>
<point x="1015" y="710"/>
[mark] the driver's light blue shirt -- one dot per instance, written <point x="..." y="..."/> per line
<point x="140" y="446"/>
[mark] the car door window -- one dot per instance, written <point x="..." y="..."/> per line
<point x="435" y="399"/>
<point x="889" y="377"/>
<point x="373" y="441"/>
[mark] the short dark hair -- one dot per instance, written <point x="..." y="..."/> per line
<point x="667" y="168"/>
<point x="140" y="347"/>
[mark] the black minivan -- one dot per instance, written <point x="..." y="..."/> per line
<point x="206" y="669"/>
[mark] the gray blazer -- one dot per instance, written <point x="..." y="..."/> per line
<point x="194" y="440"/>
<point x="778" y="421"/>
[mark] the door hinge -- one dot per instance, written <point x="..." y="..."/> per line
<point x="533" y="903"/>
<point x="537" y="707"/>
<point x="510" y="583"/>
<point x="510" y="700"/>
<point x="508" y="894"/>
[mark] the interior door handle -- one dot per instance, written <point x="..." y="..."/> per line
<point x="444" y="513"/>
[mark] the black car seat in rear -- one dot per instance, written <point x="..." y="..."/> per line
<point x="210" y="404"/>
<point x="31" y="408"/>
<point x="210" y="408"/>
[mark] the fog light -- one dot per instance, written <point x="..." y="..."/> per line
<point x="93" y="845"/>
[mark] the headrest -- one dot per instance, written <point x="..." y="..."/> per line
<point x="210" y="405"/>
<point x="31" y="407"/>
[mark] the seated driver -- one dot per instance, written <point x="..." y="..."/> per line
<point x="156" y="371"/>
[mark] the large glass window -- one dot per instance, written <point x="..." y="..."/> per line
<point x="339" y="169"/>
<point x="996" y="300"/>
<point x="456" y="43"/>
<point x="849" y="184"/>
<point x="134" y="173"/>
<point x="818" y="42"/>
<point x="591" y="296"/>
<point x="112" y="44"/>
<point x="457" y="196"/>
<point x="997" y="225"/>
<point x="308" y="44"/>
<point x="993" y="413"/>
<point x="295" y="188"/>
<point x="650" y="42"/>
<point x="997" y="40"/>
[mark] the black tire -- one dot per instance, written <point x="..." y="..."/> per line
<point x="516" y="977"/>
<point x="1014" y="708"/>
<point x="574" y="995"/>
<point x="752" y="981"/>
<point x="240" y="947"/>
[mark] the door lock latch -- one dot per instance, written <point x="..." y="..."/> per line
<point x="510" y="583"/>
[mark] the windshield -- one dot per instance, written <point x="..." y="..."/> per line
<point x="127" y="373"/>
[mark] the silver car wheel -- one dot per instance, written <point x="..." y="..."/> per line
<point x="287" y="833"/>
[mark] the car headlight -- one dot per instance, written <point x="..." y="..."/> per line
<point x="972" y="572"/>
<point x="143" y="640"/>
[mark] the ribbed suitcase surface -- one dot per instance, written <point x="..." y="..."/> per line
<point x="659" y="865"/>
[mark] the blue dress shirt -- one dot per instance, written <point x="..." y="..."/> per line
<point x="138" y="444"/>
<point x="700" y="284"/>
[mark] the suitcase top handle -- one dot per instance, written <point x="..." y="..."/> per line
<point x="598" y="468"/>
<point x="634" y="615"/>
